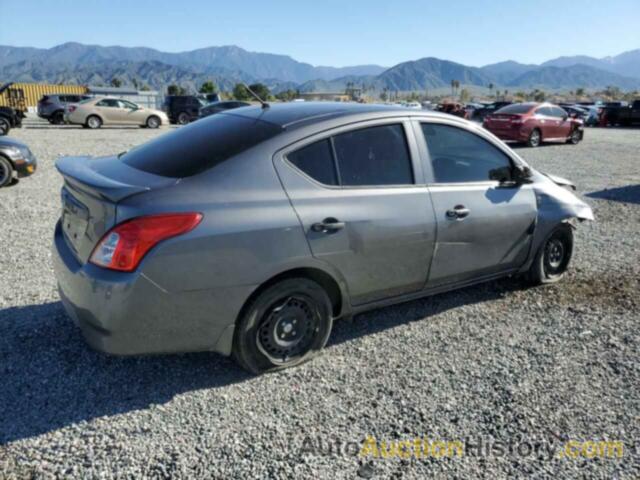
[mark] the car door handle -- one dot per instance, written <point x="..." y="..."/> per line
<point x="458" y="212"/>
<point x="328" y="225"/>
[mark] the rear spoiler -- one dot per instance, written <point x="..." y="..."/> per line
<point x="105" y="177"/>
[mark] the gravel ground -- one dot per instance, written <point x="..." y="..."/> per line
<point x="492" y="363"/>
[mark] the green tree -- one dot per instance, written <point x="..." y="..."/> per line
<point x="208" y="87"/>
<point x="261" y="90"/>
<point x="465" y="96"/>
<point x="241" y="93"/>
<point x="287" y="95"/>
<point x="116" y="82"/>
<point x="580" y="92"/>
<point x="174" y="89"/>
<point x="491" y="85"/>
<point x="539" y="95"/>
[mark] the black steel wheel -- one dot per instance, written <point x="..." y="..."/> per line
<point x="183" y="118"/>
<point x="553" y="257"/>
<point x="285" y="325"/>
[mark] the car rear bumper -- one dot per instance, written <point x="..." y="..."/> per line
<point x="128" y="314"/>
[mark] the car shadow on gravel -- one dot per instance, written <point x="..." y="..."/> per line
<point x="52" y="379"/>
<point x="627" y="194"/>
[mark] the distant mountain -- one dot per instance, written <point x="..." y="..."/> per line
<point x="431" y="73"/>
<point x="257" y="65"/>
<point x="571" y="77"/>
<point x="505" y="72"/>
<point x="626" y="64"/>
<point x="94" y="64"/>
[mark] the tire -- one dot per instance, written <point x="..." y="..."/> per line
<point x="58" y="118"/>
<point x="268" y="335"/>
<point x="153" y="122"/>
<point x="575" y="137"/>
<point x="183" y="118"/>
<point x="553" y="258"/>
<point x="535" y="138"/>
<point x="93" y="122"/>
<point x="6" y="172"/>
<point x="5" y="126"/>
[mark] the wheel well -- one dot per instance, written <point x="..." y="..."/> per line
<point x="325" y="280"/>
<point x="2" y="155"/>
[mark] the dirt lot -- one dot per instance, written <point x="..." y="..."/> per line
<point x="531" y="368"/>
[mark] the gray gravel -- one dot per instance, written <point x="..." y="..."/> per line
<point x="496" y="361"/>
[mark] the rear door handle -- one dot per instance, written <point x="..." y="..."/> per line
<point x="328" y="225"/>
<point x="458" y="212"/>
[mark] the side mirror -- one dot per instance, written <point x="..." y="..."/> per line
<point x="521" y="174"/>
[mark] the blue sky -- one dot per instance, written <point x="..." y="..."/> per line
<point x="337" y="32"/>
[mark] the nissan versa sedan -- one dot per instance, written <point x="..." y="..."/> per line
<point x="534" y="123"/>
<point x="250" y="231"/>
<point x="99" y="111"/>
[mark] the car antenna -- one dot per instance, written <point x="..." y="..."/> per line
<point x="262" y="102"/>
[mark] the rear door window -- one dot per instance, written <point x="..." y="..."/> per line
<point x="200" y="146"/>
<point x="373" y="156"/>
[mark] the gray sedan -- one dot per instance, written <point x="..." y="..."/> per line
<point x="249" y="232"/>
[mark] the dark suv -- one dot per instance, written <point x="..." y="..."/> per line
<point x="182" y="109"/>
<point x="51" y="107"/>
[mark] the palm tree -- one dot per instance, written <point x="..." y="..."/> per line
<point x="491" y="89"/>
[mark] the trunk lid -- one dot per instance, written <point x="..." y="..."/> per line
<point x="90" y="196"/>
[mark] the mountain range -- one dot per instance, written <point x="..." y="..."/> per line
<point x="227" y="65"/>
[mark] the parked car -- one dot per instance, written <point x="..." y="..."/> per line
<point x="534" y="123"/>
<point x="593" y="115"/>
<point x="182" y="109"/>
<point x="249" y="232"/>
<point x="212" y="97"/>
<point x="15" y="160"/>
<point x="10" y="117"/>
<point x="480" y="113"/>
<point x="217" y="107"/>
<point x="453" y="108"/>
<point x="576" y="111"/>
<point x="52" y="107"/>
<point x="99" y="111"/>
<point x="625" y="115"/>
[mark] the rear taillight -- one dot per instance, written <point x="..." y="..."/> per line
<point x="71" y="108"/>
<point x="124" y="246"/>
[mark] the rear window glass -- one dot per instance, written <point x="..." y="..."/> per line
<point x="316" y="160"/>
<point x="515" y="109"/>
<point x="200" y="146"/>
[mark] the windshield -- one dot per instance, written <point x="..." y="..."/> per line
<point x="200" y="146"/>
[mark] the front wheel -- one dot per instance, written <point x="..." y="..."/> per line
<point x="6" y="172"/>
<point x="153" y="122"/>
<point x="5" y="126"/>
<point x="535" y="137"/>
<point x="553" y="257"/>
<point x="575" y="137"/>
<point x="183" y="118"/>
<point x="285" y="325"/>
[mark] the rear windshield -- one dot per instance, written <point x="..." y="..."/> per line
<point x="200" y="146"/>
<point x="515" y="109"/>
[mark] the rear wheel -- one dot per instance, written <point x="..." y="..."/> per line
<point x="5" y="126"/>
<point x="6" y="172"/>
<point x="153" y="122"/>
<point x="285" y="325"/>
<point x="553" y="257"/>
<point x="575" y="137"/>
<point x="57" y="118"/>
<point x="535" y="137"/>
<point x="183" y="118"/>
<point x="94" y="122"/>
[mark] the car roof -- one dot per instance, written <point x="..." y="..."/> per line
<point x="290" y="115"/>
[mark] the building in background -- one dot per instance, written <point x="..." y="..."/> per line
<point x="144" y="98"/>
<point x="30" y="93"/>
<point x="332" y="97"/>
